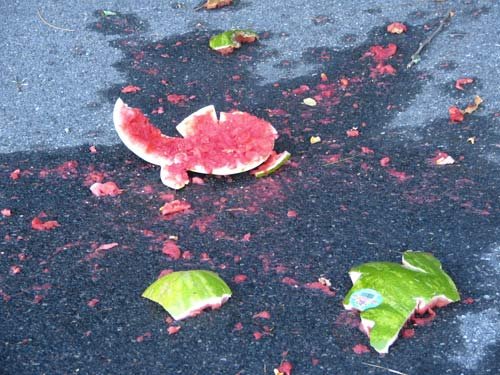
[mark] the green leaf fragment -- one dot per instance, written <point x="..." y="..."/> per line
<point x="187" y="293"/>
<point x="107" y="13"/>
<point x="394" y="292"/>
<point x="232" y="39"/>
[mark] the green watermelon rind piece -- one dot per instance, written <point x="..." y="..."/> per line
<point x="187" y="293"/>
<point x="416" y="285"/>
<point x="229" y="39"/>
<point x="280" y="161"/>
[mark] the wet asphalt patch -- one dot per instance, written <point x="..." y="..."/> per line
<point x="334" y="206"/>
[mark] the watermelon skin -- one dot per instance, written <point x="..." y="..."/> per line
<point x="140" y="136"/>
<point x="416" y="286"/>
<point x="236" y="143"/>
<point x="187" y="293"/>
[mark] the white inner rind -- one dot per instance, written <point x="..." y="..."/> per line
<point x="137" y="148"/>
<point x="214" y="303"/>
<point x="185" y="125"/>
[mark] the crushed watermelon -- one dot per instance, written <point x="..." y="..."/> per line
<point x="236" y="143"/>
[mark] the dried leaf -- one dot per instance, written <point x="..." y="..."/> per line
<point x="397" y="28"/>
<point x="473" y="107"/>
<point x="214" y="4"/>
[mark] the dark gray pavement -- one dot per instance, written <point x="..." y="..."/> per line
<point x="57" y="88"/>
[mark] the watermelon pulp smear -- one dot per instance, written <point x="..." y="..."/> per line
<point x="236" y="142"/>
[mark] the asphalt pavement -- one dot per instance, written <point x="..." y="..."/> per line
<point x="69" y="305"/>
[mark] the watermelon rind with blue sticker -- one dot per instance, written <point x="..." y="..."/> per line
<point x="401" y="290"/>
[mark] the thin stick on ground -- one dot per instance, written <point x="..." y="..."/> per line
<point x="415" y="58"/>
<point x="341" y="160"/>
<point x="384" y="368"/>
<point x="39" y="13"/>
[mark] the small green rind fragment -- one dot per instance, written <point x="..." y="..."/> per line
<point x="231" y="39"/>
<point x="185" y="293"/>
<point x="107" y="13"/>
<point x="404" y="289"/>
<point x="280" y="161"/>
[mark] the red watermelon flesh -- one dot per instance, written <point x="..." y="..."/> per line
<point x="236" y="143"/>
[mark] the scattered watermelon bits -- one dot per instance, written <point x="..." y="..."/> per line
<point x="105" y="189"/>
<point x="235" y="143"/>
<point x="130" y="89"/>
<point x="187" y="293"/>
<point x="456" y="114"/>
<point x="173" y="207"/>
<point x="459" y="84"/>
<point x="38" y="224"/>
<point x="284" y="369"/>
<point x="360" y="349"/>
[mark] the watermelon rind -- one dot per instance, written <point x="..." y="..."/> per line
<point x="417" y="285"/>
<point x="186" y="293"/>
<point x="280" y="161"/>
<point x="138" y="147"/>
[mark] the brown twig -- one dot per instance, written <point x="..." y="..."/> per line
<point x="415" y="58"/>
<point x="20" y="83"/>
<point x="341" y="160"/>
<point x="39" y="13"/>
<point x="384" y="368"/>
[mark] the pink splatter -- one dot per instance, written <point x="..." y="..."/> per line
<point x="285" y="368"/>
<point x="38" y="224"/>
<point x="93" y="302"/>
<point x="171" y="250"/>
<point x="15" y="269"/>
<point x="384" y="162"/>
<point x="172" y="330"/>
<point x="105" y="189"/>
<point x="238" y="279"/>
<point x="289" y="281"/>
<point x="401" y="176"/>
<point x="174" y="206"/>
<point x="263" y="314"/>
<point x="130" y="89"/>
<point x="360" y="349"/>
<point x="319" y="286"/>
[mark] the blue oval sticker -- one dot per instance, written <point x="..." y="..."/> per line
<point x="365" y="299"/>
